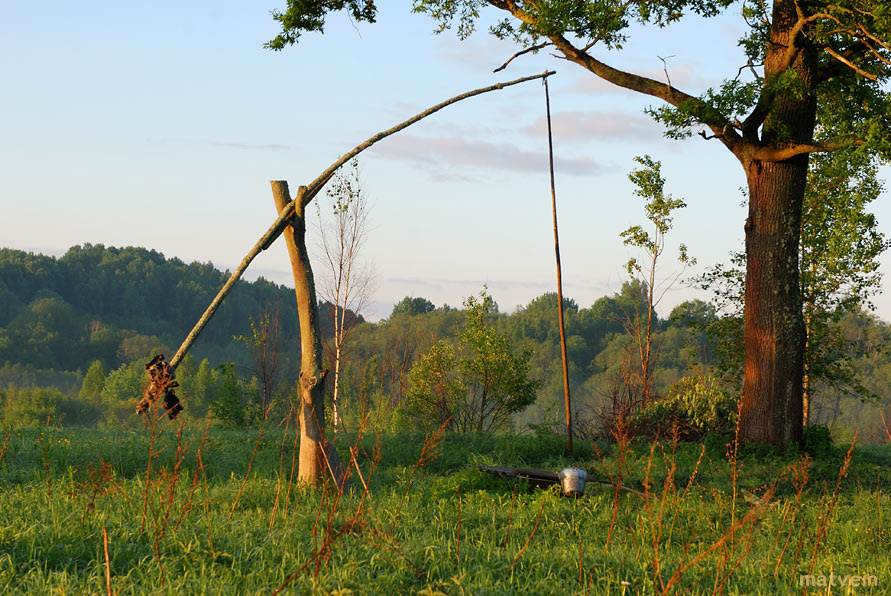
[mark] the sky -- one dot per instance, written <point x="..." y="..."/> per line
<point x="161" y="127"/>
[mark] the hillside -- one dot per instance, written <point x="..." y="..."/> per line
<point x="119" y="304"/>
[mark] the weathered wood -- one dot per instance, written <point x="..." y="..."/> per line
<point x="566" y="400"/>
<point x="312" y="189"/>
<point x="315" y="454"/>
<point x="262" y="244"/>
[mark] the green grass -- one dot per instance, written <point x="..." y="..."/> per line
<point x="60" y="487"/>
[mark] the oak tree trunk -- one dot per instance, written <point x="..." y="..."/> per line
<point x="771" y="410"/>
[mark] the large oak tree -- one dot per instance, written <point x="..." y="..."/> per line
<point x="813" y="79"/>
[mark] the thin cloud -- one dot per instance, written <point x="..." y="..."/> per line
<point x="541" y="286"/>
<point x="450" y="151"/>
<point x="579" y="125"/>
<point x="249" y="146"/>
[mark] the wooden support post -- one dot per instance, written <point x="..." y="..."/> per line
<point x="316" y="456"/>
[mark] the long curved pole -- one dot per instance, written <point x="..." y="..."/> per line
<point x="559" y="278"/>
<point x="312" y="189"/>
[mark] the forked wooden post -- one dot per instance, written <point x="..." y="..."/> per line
<point x="315" y="456"/>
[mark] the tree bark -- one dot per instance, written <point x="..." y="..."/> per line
<point x="315" y="456"/>
<point x="771" y="410"/>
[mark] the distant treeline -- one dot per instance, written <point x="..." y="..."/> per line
<point x="118" y="304"/>
<point x="108" y="309"/>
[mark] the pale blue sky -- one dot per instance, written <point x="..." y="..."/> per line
<point x="161" y="125"/>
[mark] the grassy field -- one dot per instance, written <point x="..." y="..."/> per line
<point x="197" y="523"/>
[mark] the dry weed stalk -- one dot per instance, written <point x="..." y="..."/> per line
<point x="748" y="519"/>
<point x="5" y="443"/>
<point x="107" y="561"/>
<point x="148" y="467"/>
<point x="281" y="465"/>
<point x="458" y="541"/>
<point x="623" y="443"/>
<point x="529" y="539"/>
<point x="356" y="524"/>
<point x="800" y="473"/>
<point x="100" y="482"/>
<point x="429" y="452"/>
<point x="44" y="459"/>
<point x="199" y="467"/>
<point x="250" y="463"/>
<point x="510" y="516"/>
<point x="179" y="457"/>
<point x="9" y="395"/>
<point x="830" y="507"/>
<point x="294" y="448"/>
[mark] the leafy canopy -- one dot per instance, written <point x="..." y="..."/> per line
<point x="848" y="39"/>
<point x="475" y="385"/>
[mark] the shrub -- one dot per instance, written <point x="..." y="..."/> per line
<point x="816" y="441"/>
<point x="33" y="406"/>
<point x="476" y="385"/>
<point x="696" y="404"/>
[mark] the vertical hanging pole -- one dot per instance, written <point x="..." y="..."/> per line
<point x="559" y="277"/>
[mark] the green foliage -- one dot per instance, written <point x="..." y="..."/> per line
<point x="306" y="15"/>
<point x="412" y="306"/>
<point x="124" y="384"/>
<point x="94" y="381"/>
<point x="476" y="386"/>
<point x="236" y="400"/>
<point x="435" y="393"/>
<point x="32" y="407"/>
<point x="121" y="391"/>
<point x="116" y="305"/>
<point x="697" y="402"/>
<point x="25" y="407"/>
<point x="199" y="389"/>
<point x="650" y="185"/>
<point x="26" y="375"/>
<point x="816" y="441"/>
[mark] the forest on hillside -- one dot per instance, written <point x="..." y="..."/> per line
<point x="75" y="332"/>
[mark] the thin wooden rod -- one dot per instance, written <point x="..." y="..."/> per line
<point x="559" y="277"/>
<point x="313" y="187"/>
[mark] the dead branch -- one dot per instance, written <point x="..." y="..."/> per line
<point x="532" y="49"/>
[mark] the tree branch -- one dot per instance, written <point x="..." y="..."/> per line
<point x="720" y="126"/>
<point x="850" y="64"/>
<point x="534" y="48"/>
<point x="313" y="187"/>
<point x="790" y="150"/>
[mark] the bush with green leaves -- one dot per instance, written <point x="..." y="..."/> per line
<point x="236" y="400"/>
<point x="696" y="404"/>
<point x="25" y="407"/>
<point x="475" y="385"/>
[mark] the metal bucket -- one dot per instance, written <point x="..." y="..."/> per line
<point x="572" y="481"/>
